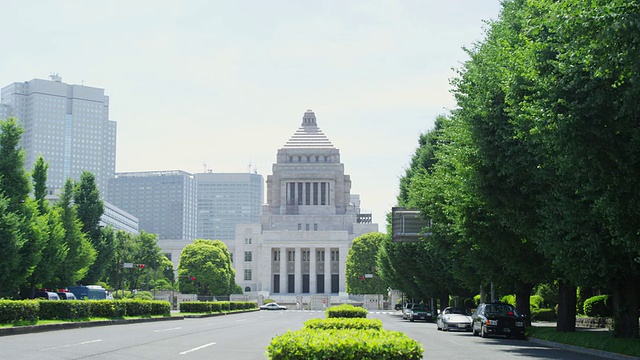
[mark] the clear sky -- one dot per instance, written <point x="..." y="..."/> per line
<point x="222" y="85"/>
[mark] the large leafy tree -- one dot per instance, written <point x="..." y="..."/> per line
<point x="361" y="260"/>
<point x="209" y="262"/>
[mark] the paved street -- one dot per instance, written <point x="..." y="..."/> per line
<point x="246" y="336"/>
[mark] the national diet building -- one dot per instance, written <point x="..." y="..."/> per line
<point x="307" y="225"/>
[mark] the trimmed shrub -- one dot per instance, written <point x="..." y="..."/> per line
<point x="543" y="314"/>
<point x="346" y="311"/>
<point x="536" y="302"/>
<point x="343" y="323"/>
<point x="14" y="310"/>
<point x="598" y="306"/>
<point x="343" y="344"/>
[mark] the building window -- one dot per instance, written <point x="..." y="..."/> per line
<point x="315" y="227"/>
<point x="276" y="255"/>
<point x="247" y="274"/>
<point x="231" y="257"/>
<point x="299" y="227"/>
<point x="320" y="255"/>
<point x="307" y="227"/>
<point x="334" y="255"/>
<point x="291" y="255"/>
<point x="247" y="256"/>
<point x="307" y="193"/>
<point x="305" y="255"/>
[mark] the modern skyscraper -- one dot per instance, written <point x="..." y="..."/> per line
<point x="227" y="199"/>
<point x="300" y="245"/>
<point x="68" y="124"/>
<point x="163" y="201"/>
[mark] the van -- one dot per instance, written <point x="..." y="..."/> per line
<point x="47" y="295"/>
<point x="66" y="295"/>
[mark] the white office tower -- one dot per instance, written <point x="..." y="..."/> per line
<point x="225" y="200"/>
<point x="300" y="246"/>
<point x="68" y="124"/>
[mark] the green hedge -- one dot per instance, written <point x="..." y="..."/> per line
<point x="32" y="310"/>
<point x="343" y="344"/>
<point x="543" y="314"/>
<point x="598" y="306"/>
<point x="12" y="311"/>
<point x="346" y="311"/>
<point x="344" y="323"/>
<point x="216" y="306"/>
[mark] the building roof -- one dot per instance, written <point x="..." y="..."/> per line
<point x="309" y="135"/>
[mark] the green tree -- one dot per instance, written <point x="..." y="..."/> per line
<point x="39" y="178"/>
<point x="81" y="252"/>
<point x="209" y="262"/>
<point x="361" y="260"/>
<point x="14" y="181"/>
<point x="11" y="242"/>
<point x="90" y="209"/>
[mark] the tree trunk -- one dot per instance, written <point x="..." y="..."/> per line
<point x="625" y="308"/>
<point x="444" y="302"/>
<point x="523" y="302"/>
<point x="566" y="307"/>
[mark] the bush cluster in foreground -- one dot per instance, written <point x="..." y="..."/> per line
<point x="351" y="336"/>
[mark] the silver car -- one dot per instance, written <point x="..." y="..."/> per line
<point x="453" y="318"/>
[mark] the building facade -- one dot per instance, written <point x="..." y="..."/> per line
<point x="225" y="200"/>
<point x="163" y="201"/>
<point x="68" y="124"/>
<point x="306" y="228"/>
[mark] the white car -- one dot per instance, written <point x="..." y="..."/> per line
<point x="453" y="318"/>
<point x="272" y="306"/>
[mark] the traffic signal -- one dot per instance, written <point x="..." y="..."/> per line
<point x="141" y="266"/>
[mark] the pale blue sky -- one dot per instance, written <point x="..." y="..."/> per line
<point x="226" y="82"/>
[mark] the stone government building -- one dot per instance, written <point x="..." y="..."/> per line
<point x="307" y="225"/>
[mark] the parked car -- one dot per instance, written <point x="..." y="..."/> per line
<point x="398" y="306"/>
<point x="454" y="318"/>
<point x="272" y="306"/>
<point x="406" y="309"/>
<point x="47" y="295"/>
<point x="497" y="318"/>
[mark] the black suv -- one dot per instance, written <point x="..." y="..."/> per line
<point x="497" y="318"/>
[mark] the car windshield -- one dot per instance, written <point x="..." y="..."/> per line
<point x="456" y="311"/>
<point x="501" y="309"/>
<point x="419" y="307"/>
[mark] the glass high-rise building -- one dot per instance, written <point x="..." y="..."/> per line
<point x="68" y="124"/>
<point x="163" y="201"/>
<point x="227" y="199"/>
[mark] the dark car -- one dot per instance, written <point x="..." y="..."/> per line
<point x="497" y="318"/>
<point x="47" y="295"/>
<point x="419" y="312"/>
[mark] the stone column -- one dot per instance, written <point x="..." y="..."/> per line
<point x="327" y="270"/>
<point x="313" y="288"/>
<point x="342" y="257"/>
<point x="283" y="270"/>
<point x="298" y="270"/>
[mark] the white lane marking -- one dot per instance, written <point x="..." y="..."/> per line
<point x="170" y="329"/>
<point x="197" y="348"/>
<point x="70" y="345"/>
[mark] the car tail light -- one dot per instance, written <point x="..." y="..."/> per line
<point x="510" y="313"/>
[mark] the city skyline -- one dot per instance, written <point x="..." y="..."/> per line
<point x="218" y="86"/>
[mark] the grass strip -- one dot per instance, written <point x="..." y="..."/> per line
<point x="592" y="339"/>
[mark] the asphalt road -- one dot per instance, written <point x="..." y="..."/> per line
<point x="246" y="336"/>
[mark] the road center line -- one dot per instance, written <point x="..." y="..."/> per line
<point x="197" y="348"/>
<point x="169" y="329"/>
<point x="70" y="345"/>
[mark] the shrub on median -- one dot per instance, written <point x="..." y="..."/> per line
<point x="343" y="323"/>
<point x="346" y="311"/>
<point x="343" y="344"/>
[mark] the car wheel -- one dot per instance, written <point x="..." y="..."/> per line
<point x="483" y="331"/>
<point x="473" y="331"/>
<point x="411" y="319"/>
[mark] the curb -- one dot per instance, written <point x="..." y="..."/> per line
<point x="582" y="350"/>
<point x="30" y="329"/>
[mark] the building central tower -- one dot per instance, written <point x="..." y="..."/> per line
<point x="306" y="227"/>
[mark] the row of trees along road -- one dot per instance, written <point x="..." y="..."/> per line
<point x="533" y="177"/>
<point x="59" y="245"/>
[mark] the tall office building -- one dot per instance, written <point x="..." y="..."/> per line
<point x="68" y="124"/>
<point x="301" y="243"/>
<point x="163" y="201"/>
<point x="225" y="200"/>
